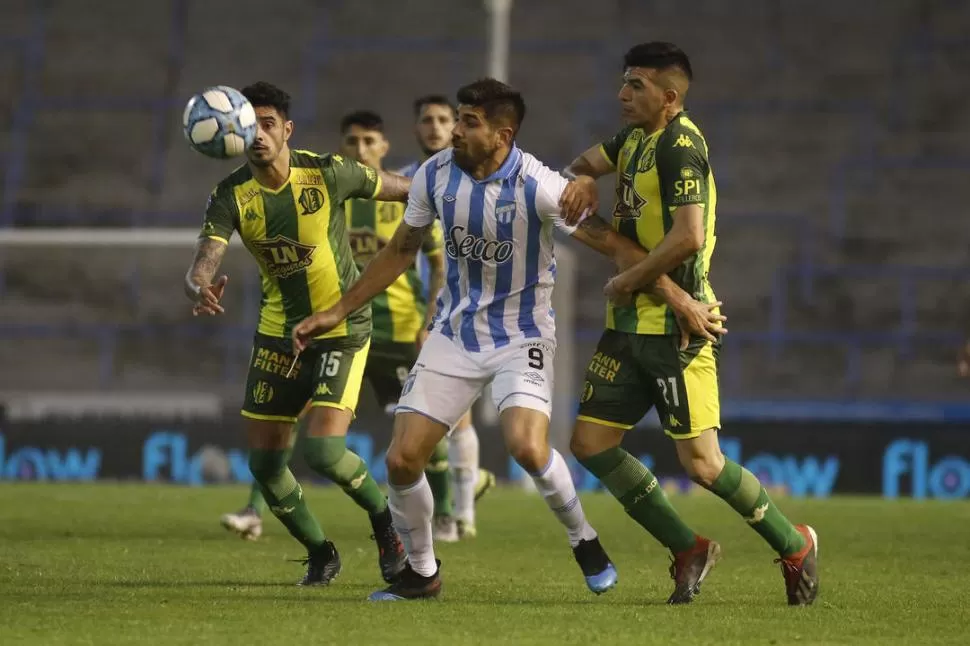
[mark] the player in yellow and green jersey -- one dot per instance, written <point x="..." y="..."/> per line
<point x="434" y="120"/>
<point x="401" y="314"/>
<point x="287" y="207"/>
<point x="666" y="201"/>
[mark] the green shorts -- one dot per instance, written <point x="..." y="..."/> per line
<point x="328" y="373"/>
<point x="632" y="373"/>
<point x="388" y="365"/>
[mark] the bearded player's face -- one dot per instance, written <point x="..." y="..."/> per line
<point x="271" y="135"/>
<point x="642" y="100"/>
<point x="473" y="138"/>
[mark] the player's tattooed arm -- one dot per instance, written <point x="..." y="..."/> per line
<point x="394" y="188"/>
<point x="199" y="286"/>
<point x="389" y="263"/>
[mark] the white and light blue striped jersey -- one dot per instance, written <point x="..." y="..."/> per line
<point x="499" y="245"/>
<point x="409" y="170"/>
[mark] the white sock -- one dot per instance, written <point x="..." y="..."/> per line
<point x="463" y="460"/>
<point x="555" y="483"/>
<point x="412" y="507"/>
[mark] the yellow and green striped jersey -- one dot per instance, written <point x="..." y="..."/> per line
<point x="298" y="236"/>
<point x="655" y="174"/>
<point x="399" y="312"/>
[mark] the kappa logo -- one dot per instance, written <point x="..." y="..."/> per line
<point x="683" y="141"/>
<point x="758" y="514"/>
<point x="359" y="480"/>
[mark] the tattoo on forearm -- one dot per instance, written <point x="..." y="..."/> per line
<point x="412" y="239"/>
<point x="208" y="257"/>
<point x="595" y="227"/>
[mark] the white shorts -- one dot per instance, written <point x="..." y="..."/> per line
<point x="446" y="379"/>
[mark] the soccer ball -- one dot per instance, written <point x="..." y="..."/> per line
<point x="219" y="122"/>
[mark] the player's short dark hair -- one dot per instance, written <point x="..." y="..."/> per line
<point x="500" y="102"/>
<point x="432" y="99"/>
<point x="658" y="55"/>
<point x="365" y="119"/>
<point x="266" y="95"/>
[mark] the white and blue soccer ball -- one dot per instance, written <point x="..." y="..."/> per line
<point x="219" y="122"/>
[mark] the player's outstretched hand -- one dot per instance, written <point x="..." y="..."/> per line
<point x="209" y="298"/>
<point x="699" y="319"/>
<point x="578" y="199"/>
<point x="312" y="327"/>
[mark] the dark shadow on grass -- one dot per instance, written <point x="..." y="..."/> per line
<point x="195" y="584"/>
<point x="342" y="598"/>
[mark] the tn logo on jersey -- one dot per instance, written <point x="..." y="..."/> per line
<point x="387" y="212"/>
<point x="282" y="256"/>
<point x="476" y="248"/>
<point x="365" y="244"/>
<point x="628" y="201"/>
<point x="311" y="199"/>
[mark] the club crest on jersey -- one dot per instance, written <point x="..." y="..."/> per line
<point x="311" y="199"/>
<point x="647" y="161"/>
<point x="476" y="248"/>
<point x="284" y="257"/>
<point x="504" y="211"/>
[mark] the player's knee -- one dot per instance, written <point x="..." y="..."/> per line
<point x="531" y="454"/>
<point x="266" y="465"/>
<point x="582" y="446"/>
<point x="404" y="463"/>
<point x="587" y="441"/>
<point x="704" y="469"/>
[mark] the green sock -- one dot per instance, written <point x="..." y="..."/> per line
<point x="741" y="489"/>
<point x="439" y="479"/>
<point x="329" y="457"/>
<point x="256" y="499"/>
<point x="285" y="497"/>
<point x="641" y="496"/>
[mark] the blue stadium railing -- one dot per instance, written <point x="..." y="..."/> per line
<point x="801" y="274"/>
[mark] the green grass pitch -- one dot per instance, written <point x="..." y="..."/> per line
<point x="140" y="564"/>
